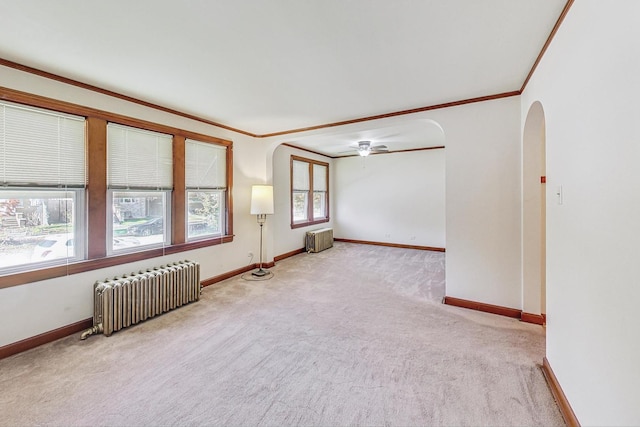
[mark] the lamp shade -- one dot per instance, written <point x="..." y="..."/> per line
<point x="261" y="199"/>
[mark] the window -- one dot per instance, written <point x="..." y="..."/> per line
<point x="320" y="181"/>
<point x="139" y="179"/>
<point x="206" y="184"/>
<point x="300" y="191"/>
<point x="79" y="193"/>
<point x="42" y="169"/>
<point x="309" y="192"/>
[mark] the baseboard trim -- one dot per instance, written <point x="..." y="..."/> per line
<point x="392" y="245"/>
<point x="44" y="338"/>
<point x="480" y="306"/>
<point x="64" y="331"/>
<point x="232" y="273"/>
<point x="228" y="275"/>
<point x="288" y="254"/>
<point x="537" y="319"/>
<point x="561" y="399"/>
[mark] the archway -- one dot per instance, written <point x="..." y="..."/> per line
<point x="408" y="220"/>
<point x="534" y="214"/>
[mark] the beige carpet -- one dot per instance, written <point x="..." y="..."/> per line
<point x="354" y="335"/>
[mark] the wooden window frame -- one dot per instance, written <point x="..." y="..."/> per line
<point x="96" y="190"/>
<point x="224" y="216"/>
<point x="310" y="220"/>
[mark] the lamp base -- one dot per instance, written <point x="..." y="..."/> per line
<point x="260" y="272"/>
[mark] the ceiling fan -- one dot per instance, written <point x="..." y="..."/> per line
<point x="364" y="148"/>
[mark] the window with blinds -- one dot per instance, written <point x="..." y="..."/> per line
<point x="320" y="181"/>
<point x="309" y="191"/>
<point x="40" y="148"/>
<point x="300" y="191"/>
<point x="140" y="180"/>
<point x="206" y="185"/>
<point x="139" y="159"/>
<point x="55" y="180"/>
<point x="43" y="174"/>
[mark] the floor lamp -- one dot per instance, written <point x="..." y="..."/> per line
<point x="261" y="205"/>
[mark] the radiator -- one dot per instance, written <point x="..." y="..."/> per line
<point x="319" y="240"/>
<point x="124" y="301"/>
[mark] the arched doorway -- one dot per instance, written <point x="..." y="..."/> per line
<point x="534" y="213"/>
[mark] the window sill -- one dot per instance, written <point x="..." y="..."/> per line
<point x="76" y="267"/>
<point x="307" y="224"/>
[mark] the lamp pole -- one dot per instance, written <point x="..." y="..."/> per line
<point x="261" y="220"/>
<point x="261" y="206"/>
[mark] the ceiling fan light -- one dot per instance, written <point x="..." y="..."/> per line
<point x="363" y="153"/>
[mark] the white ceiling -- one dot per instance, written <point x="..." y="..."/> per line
<point x="266" y="66"/>
<point x="408" y="135"/>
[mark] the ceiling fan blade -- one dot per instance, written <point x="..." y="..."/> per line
<point x="379" y="147"/>
<point x="364" y="147"/>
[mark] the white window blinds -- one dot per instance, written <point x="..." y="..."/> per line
<point x="319" y="178"/>
<point x="41" y="148"/>
<point x="139" y="159"/>
<point x="205" y="166"/>
<point x="300" y="176"/>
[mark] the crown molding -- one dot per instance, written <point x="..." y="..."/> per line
<point x="307" y="150"/>
<point x="397" y="113"/>
<point x="438" y="147"/>
<point x="563" y="15"/>
<point x="72" y="82"/>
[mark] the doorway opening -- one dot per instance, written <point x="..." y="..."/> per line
<point x="534" y="214"/>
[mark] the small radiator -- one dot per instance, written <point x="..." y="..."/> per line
<point x="319" y="240"/>
<point x="127" y="300"/>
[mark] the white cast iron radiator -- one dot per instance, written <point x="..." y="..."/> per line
<point x="127" y="300"/>
<point x="319" y="240"/>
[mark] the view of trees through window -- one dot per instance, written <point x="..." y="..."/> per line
<point x="39" y="227"/>
<point x="36" y="227"/>
<point x="319" y="203"/>
<point x="300" y="207"/>
<point x="205" y="213"/>
<point x="300" y="211"/>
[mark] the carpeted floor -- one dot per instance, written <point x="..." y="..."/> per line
<point x="354" y="335"/>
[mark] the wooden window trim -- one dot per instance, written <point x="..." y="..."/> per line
<point x="310" y="220"/>
<point x="96" y="221"/>
<point x="228" y="200"/>
<point x="178" y="196"/>
<point x="96" y="142"/>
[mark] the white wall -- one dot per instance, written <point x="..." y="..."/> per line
<point x="286" y="239"/>
<point x="588" y="85"/>
<point x="392" y="198"/>
<point x="483" y="201"/>
<point x="34" y="308"/>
